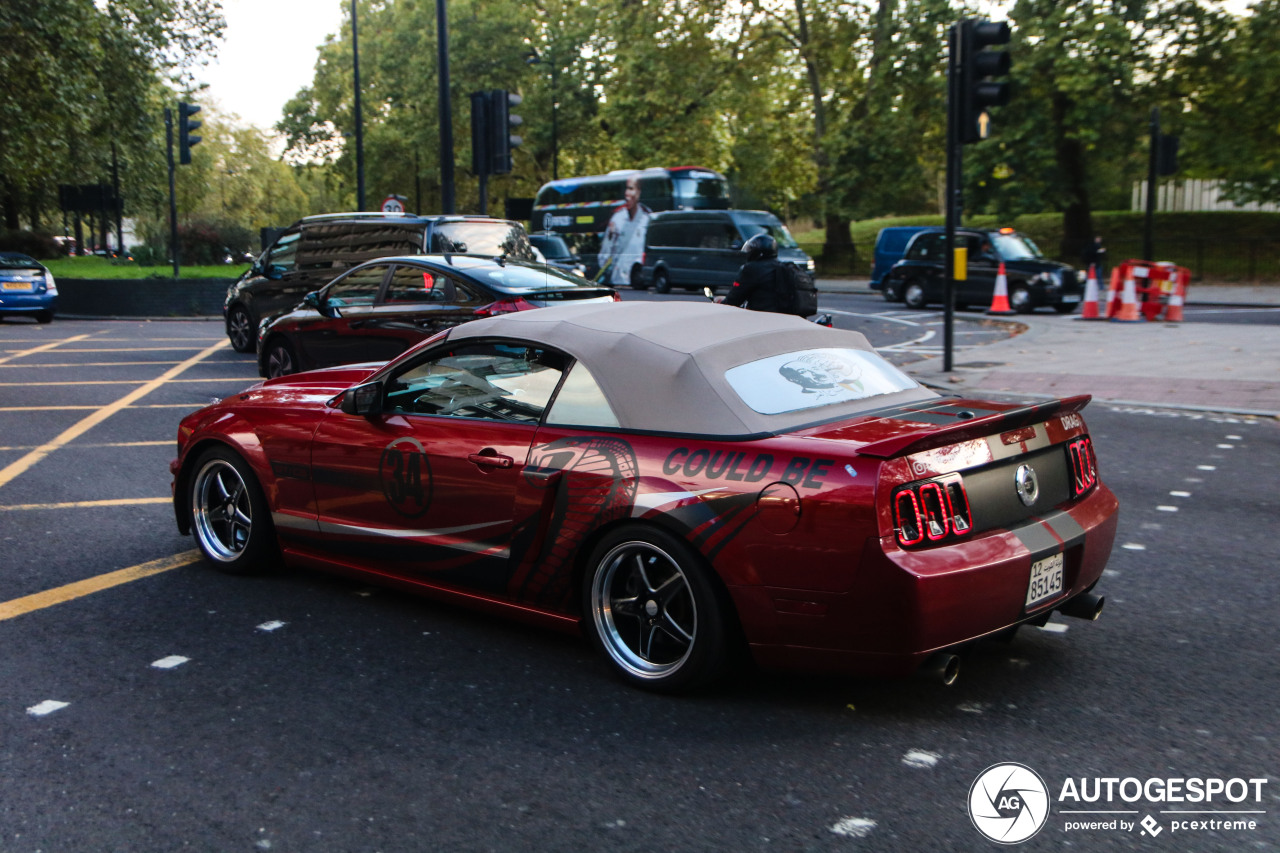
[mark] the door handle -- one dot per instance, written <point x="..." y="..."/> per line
<point x="491" y="459"/>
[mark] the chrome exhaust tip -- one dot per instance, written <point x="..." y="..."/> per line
<point x="941" y="666"/>
<point x="1084" y="606"/>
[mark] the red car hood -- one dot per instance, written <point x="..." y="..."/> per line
<point x="934" y="423"/>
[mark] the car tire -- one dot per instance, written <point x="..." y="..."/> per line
<point x="279" y="359"/>
<point x="913" y="294"/>
<point x="652" y="607"/>
<point x="891" y="293"/>
<point x="44" y="317"/>
<point x="1020" y="300"/>
<point x="240" y="329"/>
<point x="637" y="280"/>
<point x="1065" y="307"/>
<point x="229" y="513"/>
<point x="661" y="282"/>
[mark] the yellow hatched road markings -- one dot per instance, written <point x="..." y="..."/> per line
<point x="125" y="382"/>
<point x="90" y="408"/>
<point x="79" y="589"/>
<point x="42" y="348"/>
<point x="95" y="364"/>
<point x="13" y="469"/>
<point x="98" y="446"/>
<point x="88" y="504"/>
<point x="129" y="349"/>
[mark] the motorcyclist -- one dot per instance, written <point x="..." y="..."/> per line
<point x="759" y="283"/>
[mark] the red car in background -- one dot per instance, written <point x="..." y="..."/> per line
<point x="679" y="481"/>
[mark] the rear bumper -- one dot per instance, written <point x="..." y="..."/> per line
<point x="903" y="606"/>
<point x="27" y="303"/>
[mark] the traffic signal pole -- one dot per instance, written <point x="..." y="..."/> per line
<point x="953" y="198"/>
<point x="173" y="191"/>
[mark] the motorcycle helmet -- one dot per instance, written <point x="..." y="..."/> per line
<point x="761" y="247"/>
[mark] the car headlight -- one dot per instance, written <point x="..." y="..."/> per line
<point x="811" y="265"/>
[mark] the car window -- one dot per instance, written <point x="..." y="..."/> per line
<point x="1016" y="247"/>
<point x="359" y="287"/>
<point x="411" y="284"/>
<point x="480" y="237"/>
<point x="492" y="381"/>
<point x="926" y="247"/>
<point x="282" y="257"/>
<point x="581" y="402"/>
<point x="809" y="379"/>
<point x="521" y="278"/>
<point x="776" y="230"/>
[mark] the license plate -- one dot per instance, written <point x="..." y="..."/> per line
<point x="1070" y="297"/>
<point x="1046" y="579"/>
<point x="17" y="285"/>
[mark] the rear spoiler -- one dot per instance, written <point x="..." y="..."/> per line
<point x="929" y="436"/>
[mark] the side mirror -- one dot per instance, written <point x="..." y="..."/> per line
<point x="363" y="400"/>
<point x="316" y="302"/>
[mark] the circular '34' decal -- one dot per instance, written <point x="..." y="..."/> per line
<point x="406" y="477"/>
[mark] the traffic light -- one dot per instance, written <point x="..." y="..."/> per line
<point x="977" y="65"/>
<point x="185" y="125"/>
<point x="480" y="133"/>
<point x="501" y="121"/>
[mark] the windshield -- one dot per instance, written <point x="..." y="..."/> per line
<point x="13" y="260"/>
<point x="810" y="379"/>
<point x="494" y="238"/>
<point x="553" y="248"/>
<point x="1015" y="247"/>
<point x="522" y="278"/>
<point x="776" y="230"/>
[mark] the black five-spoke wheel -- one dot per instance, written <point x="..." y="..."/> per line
<point x="240" y="329"/>
<point x="654" y="612"/>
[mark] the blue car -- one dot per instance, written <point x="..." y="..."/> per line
<point x="891" y="242"/>
<point x="26" y="287"/>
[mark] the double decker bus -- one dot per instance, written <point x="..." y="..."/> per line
<point x="579" y="209"/>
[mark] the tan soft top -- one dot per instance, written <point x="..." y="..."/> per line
<point x="662" y="365"/>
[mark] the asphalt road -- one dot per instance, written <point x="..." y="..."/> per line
<point x="295" y="711"/>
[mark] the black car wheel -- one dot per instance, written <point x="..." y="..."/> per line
<point x="652" y="608"/>
<point x="637" y="280"/>
<point x="44" y="317"/>
<point x="661" y="282"/>
<point x="240" y="329"/>
<point x="229" y="514"/>
<point x="1020" y="300"/>
<point x="891" y="293"/>
<point x="279" y="359"/>
<point x="913" y="294"/>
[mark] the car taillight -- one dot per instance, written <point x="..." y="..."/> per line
<point x="1084" y="466"/>
<point x="504" y="306"/>
<point x="931" y="511"/>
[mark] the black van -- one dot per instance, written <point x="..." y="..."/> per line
<point x="313" y="251"/>
<point x="701" y="248"/>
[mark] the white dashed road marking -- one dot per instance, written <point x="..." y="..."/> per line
<point x="170" y="662"/>
<point x="48" y="706"/>
<point x="920" y="758"/>
<point x="854" y="827"/>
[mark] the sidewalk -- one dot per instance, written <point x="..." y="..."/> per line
<point x="1217" y="367"/>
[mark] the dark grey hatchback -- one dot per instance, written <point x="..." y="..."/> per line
<point x="379" y="309"/>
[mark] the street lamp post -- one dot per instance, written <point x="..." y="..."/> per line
<point x="535" y="59"/>
<point x="355" y="67"/>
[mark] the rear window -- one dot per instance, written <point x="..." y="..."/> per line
<point x="810" y="379"/>
<point x="519" y="278"/>
<point x="481" y="238"/>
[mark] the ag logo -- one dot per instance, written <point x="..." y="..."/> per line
<point x="406" y="477"/>
<point x="1008" y="803"/>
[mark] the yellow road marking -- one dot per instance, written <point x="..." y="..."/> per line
<point x="88" y="504"/>
<point x="96" y="364"/>
<point x="97" y="445"/>
<point x="129" y="349"/>
<point x="79" y="589"/>
<point x="124" y="382"/>
<point x="43" y="348"/>
<point x="89" y="408"/>
<point x="13" y="469"/>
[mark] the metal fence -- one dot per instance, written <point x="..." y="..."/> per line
<point x="1209" y="259"/>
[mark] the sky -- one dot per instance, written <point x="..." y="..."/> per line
<point x="268" y="54"/>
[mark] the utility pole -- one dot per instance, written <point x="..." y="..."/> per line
<point x="446" y="110"/>
<point x="355" y="67"/>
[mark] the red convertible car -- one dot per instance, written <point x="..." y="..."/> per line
<point x="680" y="481"/>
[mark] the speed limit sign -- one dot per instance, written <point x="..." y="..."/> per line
<point x="393" y="204"/>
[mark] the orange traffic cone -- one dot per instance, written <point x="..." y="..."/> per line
<point x="1173" y="311"/>
<point x="1089" y="311"/>
<point x="1128" y="312"/>
<point x="1113" y="292"/>
<point x="1000" y="299"/>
